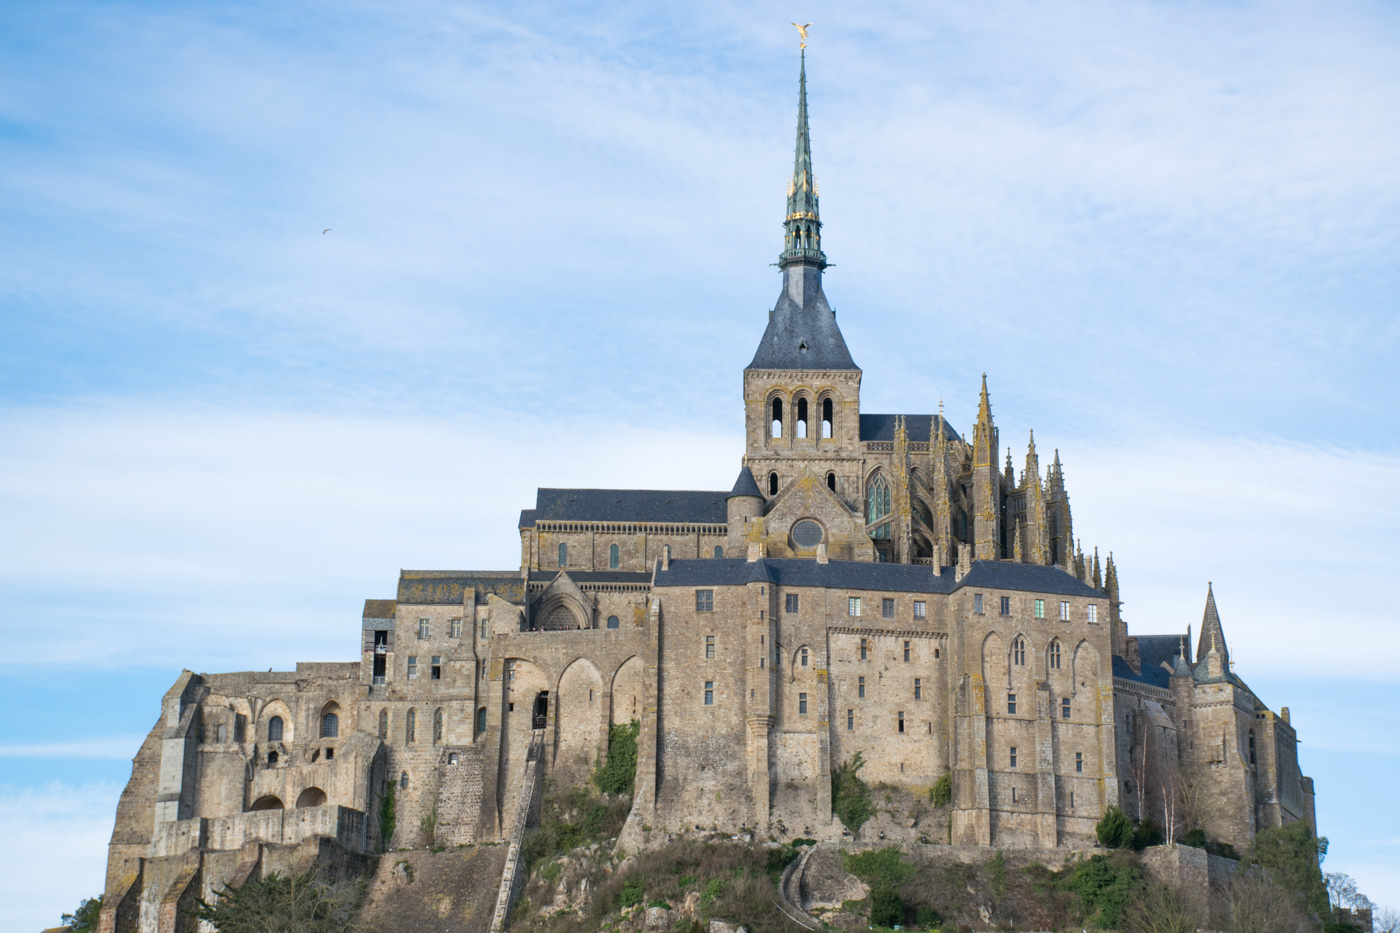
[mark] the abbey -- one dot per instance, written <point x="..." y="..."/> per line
<point x="871" y="584"/>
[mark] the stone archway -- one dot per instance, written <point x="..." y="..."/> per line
<point x="578" y="721"/>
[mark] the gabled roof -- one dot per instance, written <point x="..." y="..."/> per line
<point x="671" y="506"/>
<point x="448" y="587"/>
<point x="919" y="428"/>
<point x="379" y="608"/>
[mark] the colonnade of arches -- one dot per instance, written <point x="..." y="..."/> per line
<point x="793" y="414"/>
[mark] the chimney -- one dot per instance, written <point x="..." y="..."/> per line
<point x="1283" y="711"/>
<point x="666" y="557"/>
<point x="756" y="551"/>
<point x="821" y="553"/>
<point x="964" y="562"/>
<point x="937" y="558"/>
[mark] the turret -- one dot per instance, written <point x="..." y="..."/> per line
<point x="743" y="505"/>
<point x="1213" y="656"/>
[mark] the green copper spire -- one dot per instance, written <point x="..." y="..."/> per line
<point x="802" y="237"/>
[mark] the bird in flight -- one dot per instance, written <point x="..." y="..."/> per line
<point x="802" y="32"/>
<point x="325" y="231"/>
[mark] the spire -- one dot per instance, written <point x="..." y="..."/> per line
<point x="802" y="238"/>
<point x="1097" y="576"/>
<point x="1010" y="476"/>
<point x="1212" y="635"/>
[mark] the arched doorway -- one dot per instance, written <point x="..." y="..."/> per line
<point x="539" y="714"/>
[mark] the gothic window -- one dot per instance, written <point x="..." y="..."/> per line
<point x="384" y="723"/>
<point x="612" y="557"/>
<point x="437" y="726"/>
<point x="831" y="481"/>
<point x="563" y="555"/>
<point x="613" y="622"/>
<point x="274" y="729"/>
<point x="1018" y="651"/>
<point x="802" y="417"/>
<point x="877" y="500"/>
<point x="772" y="484"/>
<point x="1055" y="655"/>
<point x="481" y="720"/>
<point x="330" y="726"/>
<point x="827" y="421"/>
<point x="777" y="419"/>
<point x="410" y="733"/>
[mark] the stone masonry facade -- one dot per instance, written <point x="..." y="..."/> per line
<point x="871" y="584"/>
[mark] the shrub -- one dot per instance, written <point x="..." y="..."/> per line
<point x="850" y="796"/>
<point x="1164" y="908"/>
<point x="1105" y="886"/>
<point x="570" y="820"/>
<point x="1146" y="834"/>
<point x="926" y="918"/>
<point x="632" y="893"/>
<point x="618" y="772"/>
<point x="1196" y="838"/>
<point x="274" y="903"/>
<point x="880" y="866"/>
<point x="941" y="793"/>
<point x="996" y="874"/>
<point x="1290" y="855"/>
<point x="886" y="909"/>
<point x="1115" y="830"/>
<point x="387" y="817"/>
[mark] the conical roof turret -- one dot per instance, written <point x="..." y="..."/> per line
<point x="1212" y="635"/>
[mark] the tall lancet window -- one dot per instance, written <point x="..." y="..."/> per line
<point x="877" y="506"/>
<point x="802" y="417"/>
<point x="777" y="417"/>
<point x="826" y="417"/>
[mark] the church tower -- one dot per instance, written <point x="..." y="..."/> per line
<point x="802" y="389"/>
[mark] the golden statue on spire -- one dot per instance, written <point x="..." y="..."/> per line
<point x="802" y="33"/>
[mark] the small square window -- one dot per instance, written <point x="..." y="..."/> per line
<point x="437" y="668"/>
<point x="1040" y="608"/>
<point x="977" y="604"/>
<point x="860" y="687"/>
<point x="1006" y="605"/>
<point x="709" y="693"/>
<point x="704" y="600"/>
<point x="791" y="602"/>
<point x="412" y="666"/>
<point x="887" y="608"/>
<point x="918" y="688"/>
<point x="1064" y="708"/>
<point x="1091" y="612"/>
<point x="1011" y="704"/>
<point x="906" y="652"/>
<point x="455" y="628"/>
<point x="709" y="646"/>
<point x="423" y="626"/>
<point x="802" y="704"/>
<point x="864" y="650"/>
<point x="901" y="722"/>
<point x="853" y="606"/>
<point x="1079" y="762"/>
<point x="1013" y="756"/>
<point x="850" y="719"/>
<point x="920" y="609"/>
<point x="1064" y="611"/>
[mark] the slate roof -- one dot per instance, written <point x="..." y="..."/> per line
<point x="745" y="485"/>
<point x="674" y="506"/>
<point x="867" y="575"/>
<point x="447" y="587"/>
<point x="802" y="336"/>
<point x="920" y="428"/>
<point x="380" y="608"/>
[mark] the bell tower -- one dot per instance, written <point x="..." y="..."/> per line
<point x="802" y="389"/>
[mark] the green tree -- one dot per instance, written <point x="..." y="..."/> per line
<point x="388" y="816"/>
<point x="1290" y="856"/>
<point x="283" y="904"/>
<point x="850" y="796"/>
<point x="1105" y="886"/>
<point x="84" y="919"/>
<point x="941" y="793"/>
<point x="1115" y="830"/>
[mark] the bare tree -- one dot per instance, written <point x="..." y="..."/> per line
<point x="1165" y="908"/>
<point x="1385" y="920"/>
<point x="1342" y="892"/>
<point x="1254" y="904"/>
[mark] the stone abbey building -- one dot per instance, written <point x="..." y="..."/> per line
<point x="872" y="584"/>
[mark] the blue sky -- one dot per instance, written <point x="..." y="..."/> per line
<point x="1166" y="231"/>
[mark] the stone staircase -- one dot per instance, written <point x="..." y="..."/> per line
<point x="512" y="877"/>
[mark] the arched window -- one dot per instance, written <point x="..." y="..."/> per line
<point x="563" y="555"/>
<point x="481" y="720"/>
<point x="719" y="550"/>
<point x="877" y="499"/>
<point x="612" y="557"/>
<point x="1018" y="651"/>
<point x="777" y="426"/>
<point x="826" y="417"/>
<point x="330" y="726"/>
<point x="311" y="797"/>
<point x="274" y="729"/>
<point x="437" y="726"/>
<point x="613" y="622"/>
<point x="802" y="417"/>
<point x="772" y="484"/>
<point x="221" y="733"/>
<point x="403" y="781"/>
<point x="411" y="728"/>
<point x="831" y="481"/>
<point x="384" y="723"/>
<point x="1055" y="655"/>
<point x="269" y="802"/>
<point x="271" y="759"/>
